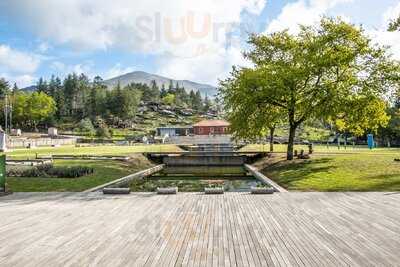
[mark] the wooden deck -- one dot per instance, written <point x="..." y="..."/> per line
<point x="235" y="229"/>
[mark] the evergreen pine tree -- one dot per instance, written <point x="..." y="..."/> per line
<point x="163" y="92"/>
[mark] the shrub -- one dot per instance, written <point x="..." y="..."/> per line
<point x="103" y="132"/>
<point x="49" y="170"/>
<point x="86" y="126"/>
<point x="70" y="172"/>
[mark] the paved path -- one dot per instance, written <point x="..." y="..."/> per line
<point x="235" y="229"/>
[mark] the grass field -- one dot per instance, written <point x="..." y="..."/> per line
<point x="105" y="171"/>
<point x="324" y="149"/>
<point x="330" y="169"/>
<point x="347" y="172"/>
<point x="90" y="150"/>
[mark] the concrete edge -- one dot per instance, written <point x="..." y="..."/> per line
<point x="264" y="179"/>
<point x="128" y="178"/>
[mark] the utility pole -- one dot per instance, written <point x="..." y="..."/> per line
<point x="11" y="110"/>
<point x="5" y="113"/>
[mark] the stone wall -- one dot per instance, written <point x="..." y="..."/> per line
<point x="26" y="142"/>
<point x="205" y="160"/>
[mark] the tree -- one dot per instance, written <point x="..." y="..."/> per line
<point x="169" y="99"/>
<point x="207" y="104"/>
<point x="394" y="25"/>
<point x="20" y="108"/>
<point x="86" y="126"/>
<point x="195" y="100"/>
<point x="59" y="98"/>
<point x="154" y="91"/>
<point x="42" y="86"/>
<point x="362" y="114"/>
<point x="129" y="103"/>
<point x="171" y="87"/>
<point x="39" y="107"/>
<point x="103" y="131"/>
<point x="115" y="100"/>
<point x="15" y="88"/>
<point x="4" y="87"/>
<point x="70" y="92"/>
<point x="314" y="74"/>
<point x="163" y="92"/>
<point x="250" y="121"/>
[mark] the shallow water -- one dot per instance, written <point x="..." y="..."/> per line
<point x="196" y="178"/>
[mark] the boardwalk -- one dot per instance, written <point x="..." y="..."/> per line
<point x="235" y="229"/>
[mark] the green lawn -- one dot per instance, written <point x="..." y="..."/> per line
<point x="358" y="169"/>
<point x="105" y="171"/>
<point x="90" y="150"/>
<point x="324" y="149"/>
<point x="358" y="172"/>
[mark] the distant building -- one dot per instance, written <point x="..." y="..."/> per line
<point x="52" y="131"/>
<point x="211" y="127"/>
<point x="174" y="131"/>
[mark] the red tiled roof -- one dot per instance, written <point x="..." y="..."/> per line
<point x="209" y="123"/>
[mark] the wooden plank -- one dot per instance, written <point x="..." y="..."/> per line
<point x="192" y="229"/>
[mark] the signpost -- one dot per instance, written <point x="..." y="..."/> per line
<point x="2" y="173"/>
<point x="370" y="141"/>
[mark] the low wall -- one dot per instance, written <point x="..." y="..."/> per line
<point x="263" y="178"/>
<point x="25" y="142"/>
<point x="124" y="180"/>
<point x="204" y="160"/>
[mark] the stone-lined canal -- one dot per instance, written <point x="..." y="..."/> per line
<point x="196" y="178"/>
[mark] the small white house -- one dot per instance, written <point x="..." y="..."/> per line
<point x="52" y="131"/>
<point x="16" y="132"/>
<point x="3" y="142"/>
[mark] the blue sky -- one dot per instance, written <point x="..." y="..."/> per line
<point x="181" y="39"/>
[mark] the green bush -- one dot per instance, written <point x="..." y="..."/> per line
<point x="49" y="170"/>
<point x="70" y="172"/>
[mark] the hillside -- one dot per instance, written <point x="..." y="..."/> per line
<point x="147" y="78"/>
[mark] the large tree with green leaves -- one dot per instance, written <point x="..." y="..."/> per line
<point x="315" y="74"/>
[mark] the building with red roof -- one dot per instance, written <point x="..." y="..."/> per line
<point x="211" y="127"/>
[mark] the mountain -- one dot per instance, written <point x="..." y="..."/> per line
<point x="147" y="78"/>
<point x="31" y="88"/>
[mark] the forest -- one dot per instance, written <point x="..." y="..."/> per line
<point x="88" y="104"/>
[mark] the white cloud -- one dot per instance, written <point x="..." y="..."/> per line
<point x="302" y="12"/>
<point x="177" y="31"/>
<point x="117" y="70"/>
<point x="18" y="66"/>
<point x="12" y="60"/>
<point x="206" y="67"/>
<point x="383" y="37"/>
<point x="22" y="81"/>
<point x="43" y="47"/>
<point x="61" y="69"/>
<point x="308" y="12"/>
<point x="134" y="25"/>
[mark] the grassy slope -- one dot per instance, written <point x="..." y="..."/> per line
<point x="105" y="171"/>
<point x="358" y="172"/>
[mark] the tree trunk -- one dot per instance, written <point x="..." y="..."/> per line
<point x="290" y="148"/>
<point x="271" y="139"/>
